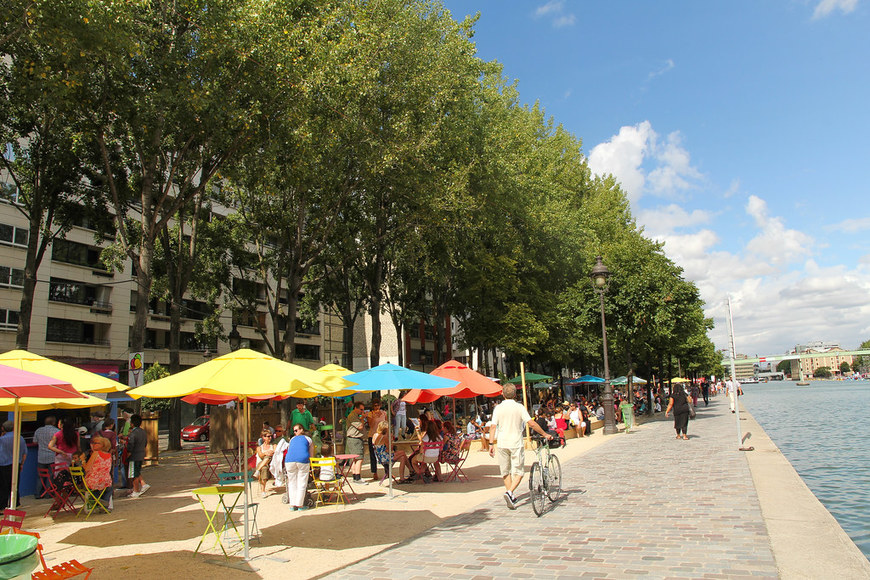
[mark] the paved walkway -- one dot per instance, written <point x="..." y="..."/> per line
<point x="644" y="504"/>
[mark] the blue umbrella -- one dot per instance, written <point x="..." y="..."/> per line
<point x="389" y="377"/>
<point x="585" y="379"/>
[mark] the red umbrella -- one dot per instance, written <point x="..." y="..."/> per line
<point x="16" y="384"/>
<point x="471" y="384"/>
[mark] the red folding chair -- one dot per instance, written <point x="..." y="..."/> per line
<point x="456" y="472"/>
<point x="12" y="520"/>
<point x="64" y="498"/>
<point x="68" y="569"/>
<point x="207" y="467"/>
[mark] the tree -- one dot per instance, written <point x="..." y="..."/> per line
<point x="41" y="129"/>
<point x="845" y="368"/>
<point x="823" y="373"/>
<point x="862" y="362"/>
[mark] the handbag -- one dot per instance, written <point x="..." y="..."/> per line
<point x="691" y="412"/>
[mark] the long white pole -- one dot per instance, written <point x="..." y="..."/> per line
<point x="734" y="382"/>
<point x="16" y="453"/>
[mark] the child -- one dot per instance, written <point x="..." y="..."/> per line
<point x="379" y="443"/>
<point x="327" y="472"/>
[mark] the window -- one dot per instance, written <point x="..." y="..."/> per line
<point x="10" y="193"/>
<point x="72" y="292"/>
<point x="11" y="277"/>
<point x="8" y="319"/>
<point x="12" y="235"/>
<point x="307" y="351"/>
<point x="75" y="253"/>
<point x="312" y="328"/>
<point x="74" y="331"/>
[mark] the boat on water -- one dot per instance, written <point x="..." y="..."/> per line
<point x="803" y="384"/>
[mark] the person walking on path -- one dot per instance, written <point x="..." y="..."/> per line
<point x="7" y="441"/>
<point x="732" y="392"/>
<point x="679" y="404"/>
<point x="705" y="392"/>
<point x="137" y="441"/>
<point x="44" y="456"/>
<point x="508" y="421"/>
<point x="297" y="466"/>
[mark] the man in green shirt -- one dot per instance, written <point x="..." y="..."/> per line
<point x="301" y="416"/>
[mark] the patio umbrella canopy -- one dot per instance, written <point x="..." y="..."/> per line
<point x="530" y="378"/>
<point x="585" y="379"/>
<point x="15" y="384"/>
<point x="83" y="381"/>
<point x="471" y="384"/>
<point x="243" y="374"/>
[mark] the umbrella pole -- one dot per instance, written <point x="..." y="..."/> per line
<point x="389" y="467"/>
<point x="525" y="400"/>
<point x="16" y="453"/>
<point x="247" y="415"/>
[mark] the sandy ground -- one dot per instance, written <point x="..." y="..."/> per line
<point x="159" y="531"/>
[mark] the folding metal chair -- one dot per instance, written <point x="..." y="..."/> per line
<point x="456" y="472"/>
<point x="68" y="569"/>
<point x="329" y="488"/>
<point x="92" y="500"/>
<point x="207" y="467"/>
<point x="429" y="446"/>
<point x="236" y="478"/>
<point x="12" y="520"/>
<point x="63" y="499"/>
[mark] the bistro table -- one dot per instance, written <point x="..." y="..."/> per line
<point x="345" y="460"/>
<point x="223" y="493"/>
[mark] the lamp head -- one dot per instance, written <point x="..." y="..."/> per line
<point x="599" y="274"/>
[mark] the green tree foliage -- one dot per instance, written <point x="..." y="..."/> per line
<point x="823" y="373"/>
<point x="845" y="368"/>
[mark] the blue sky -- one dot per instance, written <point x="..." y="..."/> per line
<point x="739" y="130"/>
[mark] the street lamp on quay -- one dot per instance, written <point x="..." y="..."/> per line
<point x="600" y="275"/>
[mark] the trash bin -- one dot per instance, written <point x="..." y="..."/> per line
<point x="18" y="556"/>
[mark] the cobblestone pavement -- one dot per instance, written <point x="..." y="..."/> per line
<point x="644" y="504"/>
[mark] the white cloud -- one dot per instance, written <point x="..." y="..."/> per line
<point x="852" y="225"/>
<point x="825" y="7"/>
<point x="775" y="243"/>
<point x="666" y="219"/>
<point x="733" y="188"/>
<point x="669" y="65"/>
<point x="555" y="10"/>
<point x="549" y="8"/>
<point x="668" y="171"/>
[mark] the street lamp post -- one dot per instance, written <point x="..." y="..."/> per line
<point x="600" y="275"/>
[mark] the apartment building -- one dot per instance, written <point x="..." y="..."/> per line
<point x="83" y="313"/>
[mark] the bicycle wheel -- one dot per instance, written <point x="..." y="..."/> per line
<point x="554" y="472"/>
<point x="537" y="489"/>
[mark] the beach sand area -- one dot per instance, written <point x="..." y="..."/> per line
<point x="157" y="533"/>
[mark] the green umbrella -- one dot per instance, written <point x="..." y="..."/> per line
<point x="530" y="378"/>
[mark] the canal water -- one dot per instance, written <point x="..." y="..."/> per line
<point x="824" y="431"/>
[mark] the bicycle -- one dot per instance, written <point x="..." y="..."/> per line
<point x="545" y="478"/>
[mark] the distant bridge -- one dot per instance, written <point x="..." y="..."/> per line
<point x="776" y="358"/>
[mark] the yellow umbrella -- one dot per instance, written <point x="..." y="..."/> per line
<point x="82" y="380"/>
<point x="243" y="373"/>
<point x="36" y="404"/>
<point x="679" y="380"/>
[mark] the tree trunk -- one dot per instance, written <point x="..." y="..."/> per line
<point x="174" y="423"/>
<point x="375" y="312"/>
<point x="348" y="319"/>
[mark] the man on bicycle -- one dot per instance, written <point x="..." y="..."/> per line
<point x="509" y="420"/>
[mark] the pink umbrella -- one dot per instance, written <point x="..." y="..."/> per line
<point x="15" y="384"/>
<point x="471" y="384"/>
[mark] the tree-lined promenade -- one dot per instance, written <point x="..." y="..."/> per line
<point x="351" y="154"/>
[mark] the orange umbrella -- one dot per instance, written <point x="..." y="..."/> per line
<point x="471" y="384"/>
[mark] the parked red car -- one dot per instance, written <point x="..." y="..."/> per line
<point x="196" y="431"/>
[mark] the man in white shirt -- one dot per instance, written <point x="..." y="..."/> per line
<point x="509" y="420"/>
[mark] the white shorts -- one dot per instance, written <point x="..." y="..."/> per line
<point x="511" y="461"/>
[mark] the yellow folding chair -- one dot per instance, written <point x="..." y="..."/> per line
<point x="92" y="500"/>
<point x="331" y="489"/>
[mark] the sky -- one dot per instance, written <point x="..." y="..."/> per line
<point x="740" y="131"/>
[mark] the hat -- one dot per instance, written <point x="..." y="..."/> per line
<point x="566" y="403"/>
